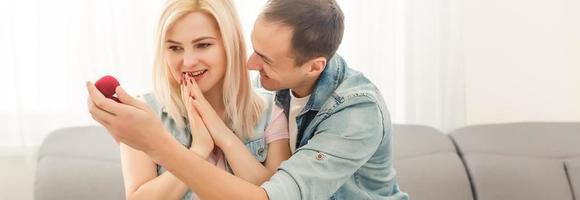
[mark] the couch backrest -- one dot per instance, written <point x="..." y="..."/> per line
<point x="79" y="163"/>
<point x="428" y="165"/>
<point x="522" y="161"/>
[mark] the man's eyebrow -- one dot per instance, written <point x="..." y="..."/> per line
<point x="268" y="60"/>
<point x="193" y="41"/>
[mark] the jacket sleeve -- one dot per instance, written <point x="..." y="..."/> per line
<point x="343" y="141"/>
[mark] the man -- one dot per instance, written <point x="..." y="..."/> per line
<point x="340" y="131"/>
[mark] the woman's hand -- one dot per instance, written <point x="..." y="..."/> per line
<point x="131" y="122"/>
<point x="202" y="142"/>
<point x="220" y="132"/>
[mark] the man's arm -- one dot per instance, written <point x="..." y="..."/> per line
<point x="343" y="142"/>
<point x="205" y="179"/>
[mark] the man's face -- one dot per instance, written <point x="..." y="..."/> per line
<point x="273" y="56"/>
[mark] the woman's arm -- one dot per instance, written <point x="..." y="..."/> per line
<point x="136" y="125"/>
<point x="140" y="172"/>
<point x="247" y="167"/>
<point x="141" y="180"/>
<point x="278" y="152"/>
<point x="243" y="162"/>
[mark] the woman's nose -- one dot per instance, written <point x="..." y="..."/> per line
<point x="190" y="60"/>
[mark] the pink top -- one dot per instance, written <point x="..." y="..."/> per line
<point x="277" y="129"/>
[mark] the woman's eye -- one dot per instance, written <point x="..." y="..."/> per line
<point x="203" y="45"/>
<point x="175" y="48"/>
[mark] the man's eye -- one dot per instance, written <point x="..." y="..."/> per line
<point x="266" y="61"/>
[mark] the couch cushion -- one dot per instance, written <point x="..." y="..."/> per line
<point x="573" y="169"/>
<point x="86" y="142"/>
<point x="435" y="176"/>
<point x="417" y="140"/>
<point x="79" y="163"/>
<point x="519" y="160"/>
<point x="555" y="140"/>
<point x="517" y="178"/>
<point x="427" y="164"/>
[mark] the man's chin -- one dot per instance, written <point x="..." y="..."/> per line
<point x="270" y="87"/>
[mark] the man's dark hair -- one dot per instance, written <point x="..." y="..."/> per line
<point x="318" y="26"/>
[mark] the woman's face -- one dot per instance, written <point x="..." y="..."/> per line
<point x="194" y="47"/>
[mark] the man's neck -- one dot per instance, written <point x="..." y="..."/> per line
<point x="305" y="88"/>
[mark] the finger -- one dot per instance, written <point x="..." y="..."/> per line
<point x="184" y="93"/>
<point x="102" y="102"/>
<point x="125" y="98"/>
<point x="103" y="117"/>
<point x="194" y="88"/>
<point x="183" y="80"/>
<point x="192" y="109"/>
<point x="185" y="100"/>
<point x="206" y="116"/>
<point x="115" y="138"/>
<point x="204" y="108"/>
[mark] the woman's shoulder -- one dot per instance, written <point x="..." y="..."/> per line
<point x="179" y="133"/>
<point x="268" y="98"/>
<point x="266" y="95"/>
<point x="150" y="99"/>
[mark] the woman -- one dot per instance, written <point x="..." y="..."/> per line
<point x="203" y="96"/>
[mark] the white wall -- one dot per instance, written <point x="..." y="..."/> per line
<point x="434" y="71"/>
<point x="491" y="61"/>
<point x="521" y="59"/>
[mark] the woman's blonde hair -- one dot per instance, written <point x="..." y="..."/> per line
<point x="243" y="107"/>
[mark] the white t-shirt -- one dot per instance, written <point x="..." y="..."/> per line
<point x="296" y="106"/>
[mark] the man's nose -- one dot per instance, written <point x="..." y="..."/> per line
<point x="254" y="63"/>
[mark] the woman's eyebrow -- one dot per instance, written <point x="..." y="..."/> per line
<point x="193" y="41"/>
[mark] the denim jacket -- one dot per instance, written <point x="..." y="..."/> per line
<point x="344" y="145"/>
<point x="256" y="144"/>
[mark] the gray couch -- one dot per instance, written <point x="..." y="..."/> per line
<point x="518" y="161"/>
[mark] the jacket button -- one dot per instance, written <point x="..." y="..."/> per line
<point x="320" y="156"/>
<point x="261" y="151"/>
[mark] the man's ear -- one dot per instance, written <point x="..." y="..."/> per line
<point x="315" y="66"/>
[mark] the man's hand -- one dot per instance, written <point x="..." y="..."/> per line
<point x="131" y="122"/>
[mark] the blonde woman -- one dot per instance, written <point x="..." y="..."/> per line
<point x="201" y="87"/>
